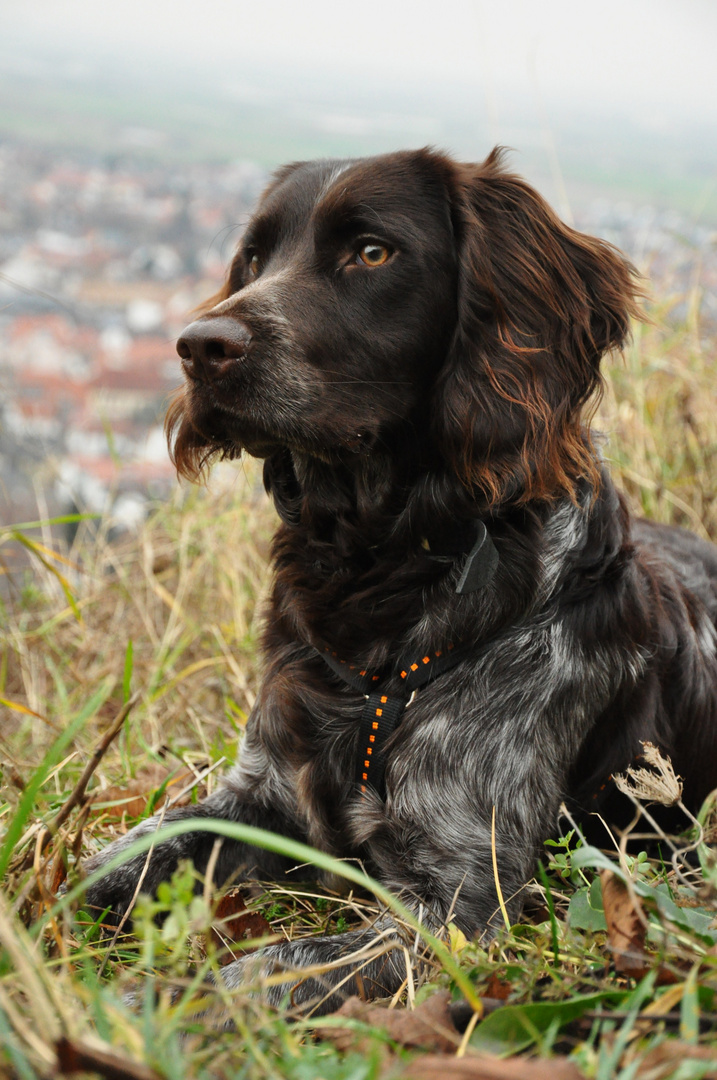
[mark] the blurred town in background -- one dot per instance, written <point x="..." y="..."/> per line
<point x="121" y="204"/>
<point x="100" y="265"/>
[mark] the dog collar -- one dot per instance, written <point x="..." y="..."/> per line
<point x="382" y="712"/>
<point x="480" y="564"/>
<point x="480" y="556"/>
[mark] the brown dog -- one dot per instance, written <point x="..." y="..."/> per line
<point x="409" y="343"/>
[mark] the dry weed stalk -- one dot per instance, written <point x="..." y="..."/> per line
<point x="658" y="784"/>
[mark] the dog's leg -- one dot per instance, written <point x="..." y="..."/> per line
<point x="370" y="962"/>
<point x="445" y="875"/>
<point x="236" y="860"/>
<point x="458" y="884"/>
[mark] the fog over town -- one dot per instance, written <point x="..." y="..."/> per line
<point x="124" y="187"/>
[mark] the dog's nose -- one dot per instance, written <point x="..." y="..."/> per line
<point x="209" y="347"/>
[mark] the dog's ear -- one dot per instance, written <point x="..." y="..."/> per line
<point x="538" y="305"/>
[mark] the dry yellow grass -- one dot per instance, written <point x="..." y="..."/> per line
<point x="184" y="592"/>
<point x="184" y="597"/>
<point x="660" y="414"/>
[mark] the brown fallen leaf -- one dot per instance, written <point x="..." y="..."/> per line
<point x="429" y="1026"/>
<point x="10" y="773"/>
<point x="485" y="1067"/>
<point x="626" y="926"/>
<point x="74" y="1056"/>
<point x="661" y="1063"/>
<point x="233" y="924"/>
<point x="131" y="798"/>
<point x="627" y="931"/>
<point x="498" y="988"/>
<point x="162" y="563"/>
<point x="59" y="875"/>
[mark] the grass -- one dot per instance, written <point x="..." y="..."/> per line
<point x="155" y="639"/>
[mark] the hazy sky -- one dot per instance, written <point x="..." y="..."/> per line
<point x="655" y="59"/>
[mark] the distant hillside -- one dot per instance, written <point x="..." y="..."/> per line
<point x="173" y="114"/>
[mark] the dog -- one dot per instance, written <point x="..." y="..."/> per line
<point x="466" y="627"/>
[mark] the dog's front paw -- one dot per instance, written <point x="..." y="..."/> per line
<point x="316" y="975"/>
<point x="116" y="890"/>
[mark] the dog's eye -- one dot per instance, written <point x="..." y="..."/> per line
<point x="373" y="255"/>
<point x="254" y="265"/>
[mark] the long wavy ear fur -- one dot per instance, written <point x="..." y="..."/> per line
<point x="538" y="305"/>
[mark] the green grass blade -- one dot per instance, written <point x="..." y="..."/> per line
<point x="65" y="519"/>
<point x="51" y="758"/>
<point x="127" y="677"/>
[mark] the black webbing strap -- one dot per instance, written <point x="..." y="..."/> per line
<point x="382" y="712"/>
<point x="380" y="717"/>
<point x="359" y="679"/>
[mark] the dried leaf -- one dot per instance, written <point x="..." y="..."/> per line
<point x="429" y="1026"/>
<point x="483" y="1067"/>
<point x="627" y="931"/>
<point x="10" y="773"/>
<point x="661" y="1062"/>
<point x="626" y="926"/>
<point x="58" y="876"/>
<point x="233" y="925"/>
<point x="131" y="798"/>
<point x="498" y="988"/>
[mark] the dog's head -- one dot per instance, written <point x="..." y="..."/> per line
<point x="406" y="293"/>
